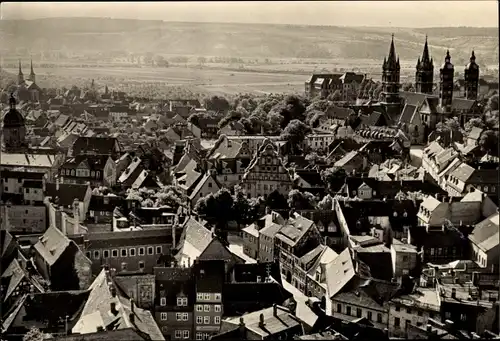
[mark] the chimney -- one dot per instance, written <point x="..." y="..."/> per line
<point x="76" y="210"/>
<point x="132" y="305"/>
<point x="113" y="308"/>
<point x="454" y="293"/>
<point x="242" y="327"/>
<point x="268" y="210"/>
<point x="189" y="262"/>
<point x="449" y="324"/>
<point x="112" y="289"/>
<point x="261" y="321"/>
<point x="275" y="310"/>
<point x="57" y="184"/>
<point x="173" y="236"/>
<point x="429" y="328"/>
<point x="100" y="329"/>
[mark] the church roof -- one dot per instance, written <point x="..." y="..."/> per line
<point x="13" y="118"/>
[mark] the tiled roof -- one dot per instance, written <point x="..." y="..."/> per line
<point x="408" y="113"/>
<point x="27" y="160"/>
<point x="52" y="245"/>
<point x="7" y="241"/>
<point x="97" y="313"/>
<point x="8" y="174"/>
<point x="485" y="233"/>
<point x="194" y="239"/>
<point x="136" y="162"/>
<point x="311" y="255"/>
<point x="283" y="321"/>
<point x="295" y="228"/>
<point x="475" y="133"/>
<point x="207" y="177"/>
<point x="339" y="272"/>
<point x="462" y="104"/>
<point x="97" y="145"/>
<point x="346" y="159"/>
<point x="94" y="162"/>
<point x="463" y="172"/>
<point x="369" y="293"/>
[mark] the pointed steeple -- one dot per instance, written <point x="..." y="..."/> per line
<point x="31" y="63"/>
<point x="20" y="69"/>
<point x="20" y="76"/>
<point x="392" y="52"/>
<point x="448" y="57"/>
<point x="32" y="72"/>
<point x="473" y="57"/>
<point x="425" y="54"/>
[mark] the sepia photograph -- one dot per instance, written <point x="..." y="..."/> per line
<point x="233" y="170"/>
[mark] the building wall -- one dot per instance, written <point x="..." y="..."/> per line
<point x="151" y="252"/>
<point x="173" y="325"/>
<point x="142" y="290"/>
<point x="403" y="262"/>
<point x="400" y="314"/>
<point x="266" y="248"/>
<point x="23" y="218"/>
<point x="33" y="194"/>
<point x="250" y="245"/>
<point x="379" y="318"/>
<point x="210" y="186"/>
<point x="211" y="314"/>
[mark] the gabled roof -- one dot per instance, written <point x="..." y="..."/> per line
<point x="94" y="145"/>
<point x="485" y="234"/>
<point x="295" y="228"/>
<point x="96" y="312"/>
<point x="408" y="114"/>
<point x="463" y="172"/>
<point x="475" y="133"/>
<point x="206" y="178"/>
<point x="194" y="239"/>
<point x="339" y="272"/>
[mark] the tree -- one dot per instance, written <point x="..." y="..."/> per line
<point x="493" y="103"/>
<point x="333" y="176"/>
<point x="313" y="158"/>
<point x="217" y="104"/>
<point x="34" y="334"/>
<point x="474" y="122"/>
<point x="326" y="203"/>
<point x="276" y="201"/>
<point x="335" y="96"/>
<point x="295" y="133"/>
<point x="170" y="196"/>
<point x="488" y="142"/>
<point x="160" y="61"/>
<point x="301" y="200"/>
<point x="450" y="124"/>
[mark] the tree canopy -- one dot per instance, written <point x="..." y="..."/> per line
<point x="295" y="133"/>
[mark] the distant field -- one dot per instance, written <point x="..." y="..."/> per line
<point x="212" y="81"/>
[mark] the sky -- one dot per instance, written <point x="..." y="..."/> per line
<point x="399" y="13"/>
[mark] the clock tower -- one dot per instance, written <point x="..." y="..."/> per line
<point x="446" y="74"/>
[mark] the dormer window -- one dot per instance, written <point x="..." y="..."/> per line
<point x="395" y="215"/>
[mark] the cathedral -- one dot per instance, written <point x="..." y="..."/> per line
<point x="27" y="89"/>
<point x="432" y="108"/>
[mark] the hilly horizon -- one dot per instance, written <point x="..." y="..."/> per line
<point x="105" y="35"/>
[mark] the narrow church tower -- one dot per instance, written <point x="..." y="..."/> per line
<point x="32" y="73"/>
<point x="446" y="74"/>
<point x="471" y="78"/>
<point x="390" y="83"/>
<point x="425" y="72"/>
<point x="20" y="76"/>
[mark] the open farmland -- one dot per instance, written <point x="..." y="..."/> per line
<point x="202" y="80"/>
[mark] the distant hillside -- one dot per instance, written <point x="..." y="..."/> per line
<point x="102" y="35"/>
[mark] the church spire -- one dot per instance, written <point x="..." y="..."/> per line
<point x="32" y="72"/>
<point x="20" y="76"/>
<point x="392" y="52"/>
<point x="425" y="54"/>
<point x="20" y="69"/>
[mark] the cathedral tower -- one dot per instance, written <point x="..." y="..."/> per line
<point x="32" y="73"/>
<point x="446" y="74"/>
<point x="390" y="83"/>
<point x="471" y="78"/>
<point x="14" y="129"/>
<point x="20" y="76"/>
<point x="425" y="72"/>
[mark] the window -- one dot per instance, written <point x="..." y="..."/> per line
<point x="408" y="310"/>
<point x="88" y="254"/>
<point x="379" y="317"/>
<point x="199" y="336"/>
<point x="141" y="264"/>
<point x="150" y="250"/>
<point x="217" y="297"/>
<point x="217" y="308"/>
<point x="397" y="309"/>
<point x="419" y="313"/>
<point x="124" y="252"/>
<point x="141" y="251"/>
<point x="114" y="253"/>
<point x="397" y="322"/>
<point x="96" y="254"/>
<point x="178" y="334"/>
<point x="131" y="252"/>
<point x="199" y="319"/>
<point x="206" y="308"/>
<point x="407" y="324"/>
<point x="199" y="308"/>
<point x="158" y="250"/>
<point x="358" y="312"/>
<point x="163" y="301"/>
<point x="185" y="316"/>
<point x="206" y="297"/>
<point x="182" y="301"/>
<point x="447" y="315"/>
<point x="124" y="266"/>
<point x="206" y="319"/>
<point x="209" y="185"/>
<point x="185" y="334"/>
<point x="105" y="253"/>
<point x="463" y="317"/>
<point x="178" y="316"/>
<point x="163" y="316"/>
<point x="199" y="296"/>
<point x="217" y="320"/>
<point x="369" y="315"/>
<point x="348" y="310"/>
